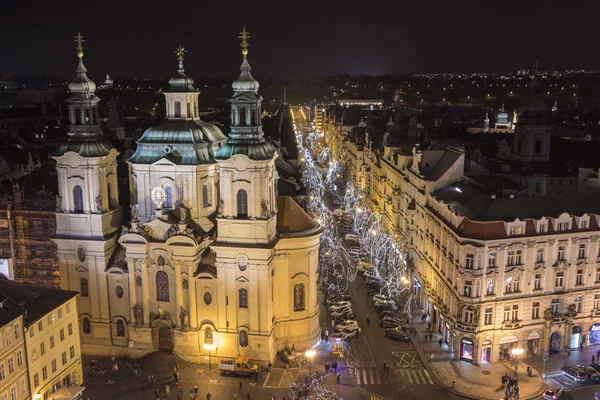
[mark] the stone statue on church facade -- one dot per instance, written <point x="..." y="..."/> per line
<point x="183" y="316"/>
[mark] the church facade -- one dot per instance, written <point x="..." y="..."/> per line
<point x="212" y="259"/>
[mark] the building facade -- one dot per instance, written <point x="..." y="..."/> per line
<point x="13" y="367"/>
<point x="212" y="260"/>
<point x="492" y="273"/>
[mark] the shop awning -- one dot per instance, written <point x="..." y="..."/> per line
<point x="68" y="393"/>
<point x="509" y="339"/>
<point x="533" y="336"/>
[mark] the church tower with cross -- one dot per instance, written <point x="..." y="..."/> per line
<point x="88" y="214"/>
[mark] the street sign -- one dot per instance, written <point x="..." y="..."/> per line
<point x="545" y="357"/>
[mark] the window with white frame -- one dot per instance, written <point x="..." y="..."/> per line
<point x="468" y="288"/>
<point x="579" y="277"/>
<point x="597" y="302"/>
<point x="491" y="260"/>
<point x="511" y="257"/>
<point x="562" y="226"/>
<point x="597" y="274"/>
<point x="555" y="306"/>
<point x="561" y="253"/>
<point x="579" y="304"/>
<point x="516" y="230"/>
<point x="469" y="316"/>
<point x="535" y="310"/>
<point x="470" y="261"/>
<point x="559" y="280"/>
<point x="518" y="257"/>
<point x="539" y="255"/>
<point x="515" y="312"/>
<point x="516" y="284"/>
<point x="507" y="313"/>
<point x="488" y="316"/>
<point x="537" y="282"/>
<point x="491" y="287"/>
<point x="584" y="222"/>
<point x="582" y="253"/>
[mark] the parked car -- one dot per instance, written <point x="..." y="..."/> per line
<point x="389" y="314"/>
<point x="591" y="373"/>
<point x="553" y="392"/>
<point x="575" y="374"/>
<point x="349" y="323"/>
<point x="347" y="334"/>
<point x="381" y="302"/>
<point x="341" y="312"/>
<point x="339" y="305"/>
<point x="396" y="334"/>
<point x="388" y="322"/>
<point x="355" y="251"/>
<point x="596" y="367"/>
<point x="380" y="297"/>
<point x="351" y="237"/>
<point x="348" y="315"/>
<point x="385" y="306"/>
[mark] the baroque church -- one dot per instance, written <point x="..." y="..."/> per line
<point x="212" y="258"/>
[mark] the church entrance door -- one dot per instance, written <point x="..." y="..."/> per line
<point x="165" y="342"/>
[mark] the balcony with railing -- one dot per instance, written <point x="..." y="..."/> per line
<point x="511" y="324"/>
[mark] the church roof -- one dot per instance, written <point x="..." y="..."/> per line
<point x="184" y="142"/>
<point x="254" y="151"/>
<point x="85" y="148"/>
<point x="292" y="219"/>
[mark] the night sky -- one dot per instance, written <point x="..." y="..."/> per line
<point x="297" y="40"/>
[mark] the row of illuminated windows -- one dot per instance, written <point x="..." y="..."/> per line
<point x="10" y="334"/>
<point x="10" y="366"/>
<point x="50" y="318"/>
<point x="53" y="366"/>
<point x="12" y="392"/>
<point x="51" y="342"/>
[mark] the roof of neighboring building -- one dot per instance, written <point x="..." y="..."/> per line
<point x="435" y="163"/>
<point x="474" y="203"/>
<point x="37" y="301"/>
<point x="291" y="218"/>
<point x="9" y="310"/>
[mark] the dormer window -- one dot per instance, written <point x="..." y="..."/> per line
<point x="563" y="223"/>
<point x="542" y="225"/>
<point x="516" y="228"/>
<point x="583" y="222"/>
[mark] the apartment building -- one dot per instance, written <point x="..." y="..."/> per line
<point x="50" y="354"/>
<point x="494" y="271"/>
<point x="13" y="369"/>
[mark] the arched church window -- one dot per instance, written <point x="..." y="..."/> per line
<point x="243" y="338"/>
<point x="87" y="327"/>
<point x="78" y="199"/>
<point x="120" y="328"/>
<point x="243" y="298"/>
<point x="83" y="287"/>
<point x="208" y="335"/>
<point x="168" y="196"/>
<point x="538" y="146"/>
<point x="242" y="204"/>
<point x="299" y="297"/>
<point x="177" y="109"/>
<point x="162" y="286"/>
<point x="243" y="117"/>
<point x="205" y="196"/>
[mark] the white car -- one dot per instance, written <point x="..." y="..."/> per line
<point x="341" y="312"/>
<point x="347" y="324"/>
<point x="355" y="251"/>
<point x="339" y="304"/>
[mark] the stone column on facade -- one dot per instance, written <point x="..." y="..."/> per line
<point x="132" y="289"/>
<point x="566" y="340"/>
<point x="192" y="312"/>
<point x="178" y="290"/>
<point x="546" y="338"/>
<point x="146" y="292"/>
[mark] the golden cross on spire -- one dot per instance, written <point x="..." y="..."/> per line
<point x="244" y="35"/>
<point x="79" y="40"/>
<point x="180" y="52"/>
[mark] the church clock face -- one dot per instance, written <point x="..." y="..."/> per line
<point x="81" y="254"/>
<point x="207" y="298"/>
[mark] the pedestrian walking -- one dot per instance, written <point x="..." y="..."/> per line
<point x="322" y="335"/>
<point x="208" y="396"/>
<point x="598" y="355"/>
<point x="335" y="365"/>
<point x="157" y="392"/>
<point x="407" y="320"/>
<point x="430" y="337"/>
<point x="326" y="368"/>
<point x="152" y="379"/>
<point x="337" y="378"/>
<point x="593" y="359"/>
<point x="167" y="389"/>
<point x="180" y="394"/>
<point x="368" y="322"/>
<point x="440" y="342"/>
<point x="240" y="386"/>
<point x="326" y="334"/>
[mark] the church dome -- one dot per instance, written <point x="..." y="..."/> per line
<point x="245" y="82"/>
<point x="81" y="83"/>
<point x="181" y="83"/>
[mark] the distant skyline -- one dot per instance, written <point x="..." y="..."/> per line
<point x="296" y="40"/>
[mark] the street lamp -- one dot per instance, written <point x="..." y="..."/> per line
<point x="310" y="354"/>
<point x="516" y="353"/>
<point x="210" y="347"/>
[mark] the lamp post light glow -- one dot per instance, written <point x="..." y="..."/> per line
<point x="310" y="354"/>
<point x="516" y="352"/>
<point x="210" y="347"/>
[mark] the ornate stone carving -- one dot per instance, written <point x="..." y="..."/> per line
<point x="124" y="230"/>
<point x="183" y="316"/>
<point x="138" y="280"/>
<point x="184" y="284"/>
<point x="182" y="214"/>
<point x="138" y="314"/>
<point x="264" y="209"/>
<point x="220" y="208"/>
<point x="99" y="202"/>
<point x="158" y="196"/>
<point x="58" y="202"/>
<point x="548" y="314"/>
<point x="134" y="213"/>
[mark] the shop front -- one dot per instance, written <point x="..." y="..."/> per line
<point x="576" y="337"/>
<point x="533" y="343"/>
<point x="466" y="349"/>
<point x="594" y="334"/>
<point x="554" y="346"/>
<point x="486" y="351"/>
<point x="507" y="343"/>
